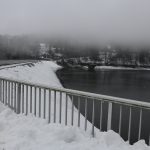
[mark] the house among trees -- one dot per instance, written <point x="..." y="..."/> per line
<point x="44" y="50"/>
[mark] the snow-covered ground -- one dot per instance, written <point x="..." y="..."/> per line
<point x="42" y="72"/>
<point x="19" y="132"/>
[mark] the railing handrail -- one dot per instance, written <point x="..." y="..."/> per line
<point x="112" y="99"/>
<point x="16" y="64"/>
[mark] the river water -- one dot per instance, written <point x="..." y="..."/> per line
<point x="133" y="84"/>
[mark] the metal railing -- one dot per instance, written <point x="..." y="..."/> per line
<point x="60" y="105"/>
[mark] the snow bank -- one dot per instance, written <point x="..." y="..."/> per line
<point x="18" y="132"/>
<point x="42" y="72"/>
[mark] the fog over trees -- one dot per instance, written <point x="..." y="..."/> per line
<point x="18" y="47"/>
<point x="75" y="27"/>
<point x="28" y="47"/>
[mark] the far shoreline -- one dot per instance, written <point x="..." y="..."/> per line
<point x="118" y="68"/>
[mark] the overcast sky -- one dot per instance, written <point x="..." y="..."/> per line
<point x="85" y="20"/>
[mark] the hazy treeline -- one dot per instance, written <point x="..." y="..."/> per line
<point x="18" y="47"/>
<point x="72" y="49"/>
<point x="28" y="47"/>
<point x="108" y="54"/>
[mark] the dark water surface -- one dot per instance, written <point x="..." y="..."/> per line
<point x="133" y="84"/>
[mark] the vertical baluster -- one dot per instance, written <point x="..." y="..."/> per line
<point x="3" y="91"/>
<point x="60" y="107"/>
<point x="129" y="128"/>
<point x="6" y="93"/>
<point x="72" y="112"/>
<point x="44" y="104"/>
<point x="12" y="95"/>
<point x="0" y="90"/>
<point x="66" y="109"/>
<point x="109" y="116"/>
<point x="93" y="118"/>
<point x="85" y="114"/>
<point x="23" y="98"/>
<point x="140" y="124"/>
<point x="49" y="107"/>
<point x="78" y="111"/>
<point x="101" y="116"/>
<point x="1" y="86"/>
<point x="54" y="106"/>
<point x="39" y="102"/>
<point x="9" y="94"/>
<point x="11" y="91"/>
<point x="120" y="119"/>
<point x="15" y="103"/>
<point x="35" y="101"/>
<point x="30" y="99"/>
<point x="26" y="99"/>
<point x="18" y="97"/>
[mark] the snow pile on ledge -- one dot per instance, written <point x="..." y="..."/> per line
<point x="19" y="132"/>
<point x="42" y="72"/>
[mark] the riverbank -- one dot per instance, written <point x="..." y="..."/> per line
<point x="116" y="68"/>
<point x="28" y="132"/>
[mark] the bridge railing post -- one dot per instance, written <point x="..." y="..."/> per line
<point x="0" y="90"/>
<point x="18" y="98"/>
<point x="109" y="116"/>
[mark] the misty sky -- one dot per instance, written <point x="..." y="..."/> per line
<point x="84" y="20"/>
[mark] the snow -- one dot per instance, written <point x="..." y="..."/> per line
<point x="20" y="132"/>
<point x="42" y="72"/>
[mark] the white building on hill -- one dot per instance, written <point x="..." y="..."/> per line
<point x="44" y="49"/>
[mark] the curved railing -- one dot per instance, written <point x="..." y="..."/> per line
<point x="59" y="105"/>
